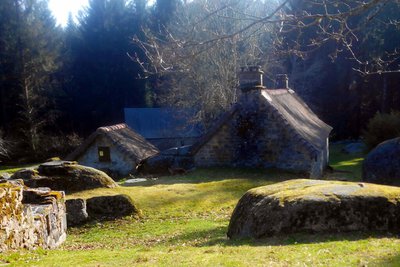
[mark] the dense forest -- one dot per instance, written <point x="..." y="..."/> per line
<point x="58" y="84"/>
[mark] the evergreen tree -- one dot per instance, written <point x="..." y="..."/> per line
<point x="31" y="80"/>
<point x="8" y="81"/>
<point x="104" y="77"/>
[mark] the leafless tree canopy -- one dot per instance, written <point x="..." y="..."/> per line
<point x="208" y="41"/>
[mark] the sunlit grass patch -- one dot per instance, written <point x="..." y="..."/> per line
<point x="353" y="162"/>
<point x="13" y="169"/>
<point x="184" y="223"/>
<point x="347" y="165"/>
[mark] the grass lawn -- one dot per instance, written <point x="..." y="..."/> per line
<point x="185" y="220"/>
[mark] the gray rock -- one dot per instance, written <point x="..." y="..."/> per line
<point x="135" y="181"/>
<point x="315" y="206"/>
<point x="111" y="207"/>
<point x="76" y="212"/>
<point x="24" y="174"/>
<point x="382" y="164"/>
<point x="65" y="176"/>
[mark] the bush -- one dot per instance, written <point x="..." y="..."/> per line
<point x="382" y="127"/>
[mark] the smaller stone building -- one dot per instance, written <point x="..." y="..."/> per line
<point x="266" y="128"/>
<point x="115" y="149"/>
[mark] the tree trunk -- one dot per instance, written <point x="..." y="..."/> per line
<point x="384" y="103"/>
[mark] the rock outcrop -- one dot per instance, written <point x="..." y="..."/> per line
<point x="76" y="212"/>
<point x="110" y="207"/>
<point x="80" y="211"/>
<point x="382" y="164"/>
<point x="315" y="206"/>
<point x="31" y="218"/>
<point x="66" y="176"/>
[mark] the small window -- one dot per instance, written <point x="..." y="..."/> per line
<point x="104" y="154"/>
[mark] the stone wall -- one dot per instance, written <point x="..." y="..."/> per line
<point x="219" y="150"/>
<point x="256" y="137"/>
<point x="120" y="164"/>
<point x="31" y="218"/>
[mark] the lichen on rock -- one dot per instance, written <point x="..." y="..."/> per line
<point x="315" y="206"/>
<point x="67" y="176"/>
<point x="30" y="218"/>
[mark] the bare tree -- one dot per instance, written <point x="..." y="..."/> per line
<point x="199" y="56"/>
<point x="210" y="39"/>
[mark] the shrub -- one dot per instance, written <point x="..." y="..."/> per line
<point x="381" y="127"/>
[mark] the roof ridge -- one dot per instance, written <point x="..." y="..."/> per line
<point x="114" y="127"/>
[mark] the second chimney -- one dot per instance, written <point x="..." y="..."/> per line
<point x="282" y="81"/>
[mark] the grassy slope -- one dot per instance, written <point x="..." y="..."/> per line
<point x="184" y="223"/>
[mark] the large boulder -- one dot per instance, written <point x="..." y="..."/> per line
<point x="315" y="206"/>
<point x="80" y="211"/>
<point x="382" y="164"/>
<point x="111" y="207"/>
<point x="65" y="176"/>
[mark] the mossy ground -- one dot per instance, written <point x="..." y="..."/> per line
<point x="184" y="223"/>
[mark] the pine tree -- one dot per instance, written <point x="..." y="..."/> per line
<point x="8" y="81"/>
<point x="31" y="82"/>
<point x="105" y="78"/>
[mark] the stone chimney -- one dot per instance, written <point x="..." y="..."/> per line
<point x="282" y="81"/>
<point x="251" y="78"/>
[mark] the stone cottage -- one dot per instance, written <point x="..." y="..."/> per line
<point x="266" y="128"/>
<point x="114" y="149"/>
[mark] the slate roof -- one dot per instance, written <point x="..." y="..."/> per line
<point x="295" y="113"/>
<point x="292" y="111"/>
<point x="124" y="139"/>
<point x="162" y="122"/>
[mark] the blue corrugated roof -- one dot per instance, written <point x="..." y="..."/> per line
<point x="162" y="122"/>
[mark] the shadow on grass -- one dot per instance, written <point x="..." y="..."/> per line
<point x="204" y="175"/>
<point x="217" y="237"/>
<point x="393" y="261"/>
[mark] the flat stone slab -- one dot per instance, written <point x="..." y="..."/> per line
<point x="315" y="206"/>
<point x="134" y="181"/>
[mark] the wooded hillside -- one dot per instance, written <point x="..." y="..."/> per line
<point x="59" y="84"/>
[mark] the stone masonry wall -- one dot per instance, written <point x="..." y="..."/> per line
<point x="31" y="218"/>
<point x="219" y="150"/>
